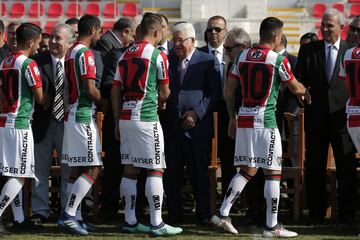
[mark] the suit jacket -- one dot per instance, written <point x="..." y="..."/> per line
<point x="327" y="97"/>
<point x="41" y="117"/>
<point x="200" y="91"/>
<point x="106" y="42"/>
<point x="99" y="67"/>
<point x="223" y="64"/>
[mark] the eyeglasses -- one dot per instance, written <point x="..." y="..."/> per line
<point x="217" y="29"/>
<point x="355" y="29"/>
<point x="230" y="48"/>
<point x="181" y="41"/>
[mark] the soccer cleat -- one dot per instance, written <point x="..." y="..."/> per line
<point x="165" y="230"/>
<point x="88" y="227"/>
<point x="278" y="232"/>
<point x="224" y="223"/>
<point x="69" y="222"/>
<point x="136" y="228"/>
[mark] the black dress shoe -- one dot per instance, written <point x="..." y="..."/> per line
<point x="25" y="225"/>
<point x="204" y="222"/>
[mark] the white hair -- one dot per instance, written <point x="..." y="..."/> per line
<point x="70" y="32"/>
<point x="186" y="27"/>
<point x="334" y="12"/>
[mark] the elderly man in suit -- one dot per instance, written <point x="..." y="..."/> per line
<point x="325" y="120"/>
<point x="48" y="124"/>
<point x="195" y="90"/>
<point x="121" y="35"/>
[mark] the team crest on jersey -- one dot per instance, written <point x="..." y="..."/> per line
<point x="9" y="61"/>
<point x="134" y="49"/>
<point x="357" y="53"/>
<point x="91" y="61"/>
<point x="255" y="54"/>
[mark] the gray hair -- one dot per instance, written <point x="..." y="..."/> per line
<point x="335" y="12"/>
<point x="186" y="27"/>
<point x="240" y="36"/>
<point x="71" y="37"/>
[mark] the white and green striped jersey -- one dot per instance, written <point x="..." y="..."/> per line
<point x="79" y="66"/>
<point x="260" y="71"/>
<point x="18" y="76"/>
<point x="141" y="69"/>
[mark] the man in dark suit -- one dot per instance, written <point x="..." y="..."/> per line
<point x="165" y="45"/>
<point x="195" y="90"/>
<point x="4" y="48"/>
<point x="121" y="35"/>
<point x="325" y="120"/>
<point x="48" y="125"/>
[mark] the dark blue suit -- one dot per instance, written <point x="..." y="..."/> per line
<point x="199" y="91"/>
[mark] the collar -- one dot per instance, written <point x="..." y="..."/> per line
<point x="282" y="52"/>
<point x="55" y="60"/>
<point x="112" y="33"/>
<point x="220" y="49"/>
<point x="264" y="47"/>
<point x="336" y="44"/>
<point x="188" y="57"/>
<point x="165" y="45"/>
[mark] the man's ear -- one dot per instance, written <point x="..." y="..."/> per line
<point x="93" y="30"/>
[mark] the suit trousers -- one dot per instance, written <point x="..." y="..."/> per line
<point x="53" y="139"/>
<point x="318" y="138"/>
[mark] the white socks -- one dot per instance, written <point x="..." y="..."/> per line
<point x="8" y="193"/>
<point x="78" y="215"/>
<point x="272" y="196"/>
<point x="17" y="208"/>
<point x="236" y="186"/>
<point x="128" y="193"/>
<point x="154" y="192"/>
<point x="78" y="192"/>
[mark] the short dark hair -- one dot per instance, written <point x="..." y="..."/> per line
<point x="45" y="35"/>
<point x="149" y="21"/>
<point x="2" y="26"/>
<point x="164" y="17"/>
<point x="216" y="17"/>
<point x="309" y="35"/>
<point x="72" y="21"/>
<point x="122" y="24"/>
<point x="25" y="32"/>
<point x="283" y="41"/>
<point x="87" y="23"/>
<point x="269" y="27"/>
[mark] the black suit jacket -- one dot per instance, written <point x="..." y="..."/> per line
<point x="41" y="117"/>
<point x="106" y="42"/>
<point x="202" y="75"/>
<point x="327" y="97"/>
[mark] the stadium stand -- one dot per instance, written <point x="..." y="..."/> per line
<point x="339" y="6"/>
<point x="130" y="10"/>
<point x="3" y="9"/>
<point x="318" y="10"/>
<point x="93" y="8"/>
<point x="74" y="10"/>
<point x="354" y="10"/>
<point x="17" y="10"/>
<point x="55" y="10"/>
<point x="111" y="10"/>
<point x="36" y="10"/>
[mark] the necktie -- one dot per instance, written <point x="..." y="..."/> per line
<point x="330" y="62"/>
<point x="59" y="90"/>
<point x="161" y="48"/>
<point x="183" y="67"/>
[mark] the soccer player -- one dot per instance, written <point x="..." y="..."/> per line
<point x="140" y="87"/>
<point x="259" y="71"/>
<point x="20" y="84"/>
<point x="81" y="143"/>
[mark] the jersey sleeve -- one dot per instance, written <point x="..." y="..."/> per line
<point x="87" y="65"/>
<point x="342" y="72"/>
<point x="285" y="70"/>
<point x="162" y="68"/>
<point x="117" y="78"/>
<point x="32" y="75"/>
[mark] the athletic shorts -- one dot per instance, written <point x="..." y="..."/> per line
<point x="142" y="144"/>
<point x="81" y="145"/>
<point x="258" y="147"/>
<point x="355" y="136"/>
<point x="17" y="152"/>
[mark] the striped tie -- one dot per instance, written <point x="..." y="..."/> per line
<point x="59" y="90"/>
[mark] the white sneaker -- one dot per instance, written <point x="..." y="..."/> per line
<point x="278" y="232"/>
<point x="224" y="223"/>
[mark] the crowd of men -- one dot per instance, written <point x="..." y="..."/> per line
<point x="158" y="98"/>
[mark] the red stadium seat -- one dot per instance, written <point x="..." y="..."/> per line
<point x="354" y="10"/>
<point x="353" y="1"/>
<point x="130" y="9"/>
<point x="107" y="26"/>
<point x="34" y="10"/>
<point x="318" y="10"/>
<point x="339" y="6"/>
<point x="93" y="8"/>
<point x="71" y="10"/>
<point x="49" y="26"/>
<point x="3" y="9"/>
<point x="111" y="10"/>
<point x="344" y="32"/>
<point x="17" y="10"/>
<point x="55" y="10"/>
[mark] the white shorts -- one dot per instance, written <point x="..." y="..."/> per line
<point x="81" y="145"/>
<point x="258" y="147"/>
<point x="355" y="136"/>
<point x="17" y="153"/>
<point x="142" y="144"/>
